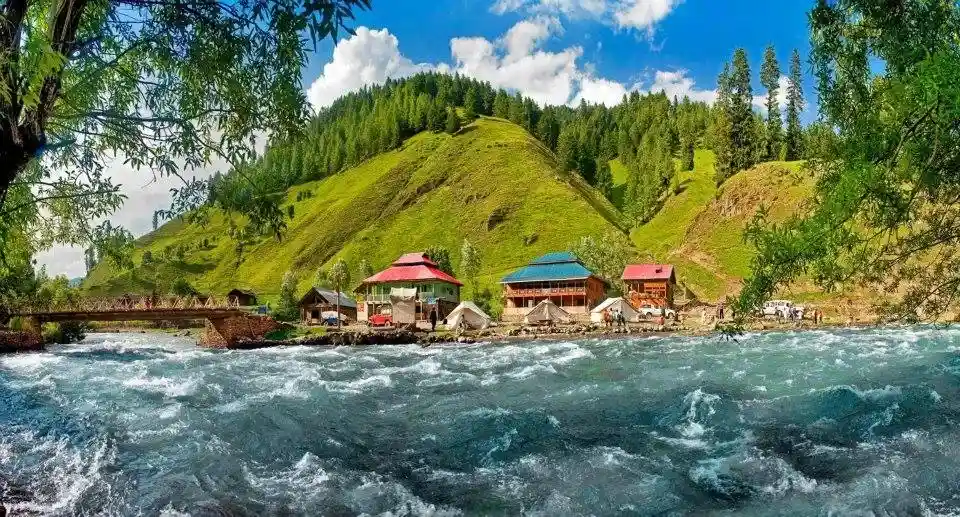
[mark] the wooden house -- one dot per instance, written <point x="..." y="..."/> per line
<point x="318" y="301"/>
<point x="433" y="287"/>
<point x="242" y="298"/>
<point x="559" y="277"/>
<point x="653" y="282"/>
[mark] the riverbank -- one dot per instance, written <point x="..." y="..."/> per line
<point x="365" y="336"/>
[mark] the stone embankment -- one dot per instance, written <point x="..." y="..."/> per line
<point x="19" y="341"/>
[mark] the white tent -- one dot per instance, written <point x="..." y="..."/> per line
<point x="404" y="304"/>
<point x="469" y="315"/>
<point x="614" y="304"/>
<point x="547" y="312"/>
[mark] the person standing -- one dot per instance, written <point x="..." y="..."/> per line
<point x="433" y="319"/>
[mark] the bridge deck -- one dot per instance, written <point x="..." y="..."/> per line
<point x="136" y="315"/>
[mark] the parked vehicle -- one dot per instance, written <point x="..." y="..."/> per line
<point x="381" y="320"/>
<point x="650" y="310"/>
<point x="782" y="309"/>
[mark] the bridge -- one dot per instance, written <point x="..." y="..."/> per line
<point x="226" y="323"/>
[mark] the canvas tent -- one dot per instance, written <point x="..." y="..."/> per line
<point x="468" y="315"/>
<point x="404" y="303"/>
<point x="547" y="312"/>
<point x="614" y="304"/>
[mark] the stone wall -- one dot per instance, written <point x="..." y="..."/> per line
<point x="229" y="332"/>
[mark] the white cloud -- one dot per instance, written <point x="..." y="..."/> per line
<point x="600" y="91"/>
<point x="642" y="15"/>
<point x="369" y="57"/>
<point x="545" y="77"/>
<point x="677" y="84"/>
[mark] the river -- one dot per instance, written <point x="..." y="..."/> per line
<point x="843" y="422"/>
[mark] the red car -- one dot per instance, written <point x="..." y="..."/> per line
<point x="380" y="320"/>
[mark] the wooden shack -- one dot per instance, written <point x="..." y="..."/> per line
<point x="318" y="301"/>
<point x="242" y="298"/>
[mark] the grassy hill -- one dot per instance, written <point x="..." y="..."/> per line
<point x="492" y="183"/>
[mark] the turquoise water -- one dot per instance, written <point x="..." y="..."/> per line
<point x="855" y="422"/>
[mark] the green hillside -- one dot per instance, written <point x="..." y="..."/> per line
<point x="492" y="183"/>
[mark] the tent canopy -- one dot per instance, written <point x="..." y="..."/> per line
<point x="468" y="314"/>
<point x="547" y="311"/>
<point x="612" y="304"/>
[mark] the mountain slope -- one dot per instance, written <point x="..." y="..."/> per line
<point x="492" y="183"/>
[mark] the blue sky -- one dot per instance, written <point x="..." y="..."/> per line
<point x="621" y="42"/>
<point x="555" y="51"/>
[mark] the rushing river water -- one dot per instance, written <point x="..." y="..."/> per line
<point x="852" y="422"/>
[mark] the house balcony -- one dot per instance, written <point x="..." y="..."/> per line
<point x="544" y="292"/>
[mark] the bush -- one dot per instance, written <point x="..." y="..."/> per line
<point x="64" y="333"/>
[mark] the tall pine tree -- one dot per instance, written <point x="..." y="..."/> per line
<point x="770" y="78"/>
<point x="742" y="131"/>
<point x="722" y="139"/>
<point x="795" y="105"/>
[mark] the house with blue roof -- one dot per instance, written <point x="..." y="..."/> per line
<point x="559" y="277"/>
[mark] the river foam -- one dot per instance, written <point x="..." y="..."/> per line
<point x="848" y="422"/>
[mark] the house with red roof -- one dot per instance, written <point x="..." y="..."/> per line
<point x="650" y="281"/>
<point x="416" y="275"/>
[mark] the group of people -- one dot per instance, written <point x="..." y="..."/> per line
<point x="613" y="317"/>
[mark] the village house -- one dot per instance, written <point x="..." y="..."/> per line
<point x="242" y="298"/>
<point x="559" y="277"/>
<point x="319" y="305"/>
<point x="650" y="282"/>
<point x="412" y="277"/>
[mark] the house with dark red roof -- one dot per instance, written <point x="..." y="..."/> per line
<point x="412" y="274"/>
<point x="650" y="281"/>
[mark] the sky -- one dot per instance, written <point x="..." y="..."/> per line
<point x="554" y="51"/>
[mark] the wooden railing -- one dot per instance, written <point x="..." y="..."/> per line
<point x="547" y="291"/>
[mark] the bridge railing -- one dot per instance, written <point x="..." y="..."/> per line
<point x="136" y="304"/>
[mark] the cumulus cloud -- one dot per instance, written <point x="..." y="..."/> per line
<point x="677" y="84"/>
<point x="516" y="61"/>
<point x="600" y="91"/>
<point x="641" y="15"/>
<point x="369" y="57"/>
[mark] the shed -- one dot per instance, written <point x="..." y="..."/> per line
<point x="468" y="315"/>
<point x="547" y="312"/>
<point x="317" y="301"/>
<point x="242" y="298"/>
<point x="614" y="304"/>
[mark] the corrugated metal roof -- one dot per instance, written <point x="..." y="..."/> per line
<point x="556" y="257"/>
<point x="552" y="266"/>
<point x="331" y="297"/>
<point x="648" y="272"/>
<point x="417" y="273"/>
<point x="410" y="259"/>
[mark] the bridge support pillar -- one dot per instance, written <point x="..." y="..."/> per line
<point x="233" y="331"/>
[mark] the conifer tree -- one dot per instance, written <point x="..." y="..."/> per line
<point x="795" y="105"/>
<point x="471" y="104"/>
<point x="567" y="152"/>
<point x="770" y="78"/>
<point x="453" y="121"/>
<point x="501" y="104"/>
<point x="548" y="130"/>
<point x="740" y="109"/>
<point x="722" y="139"/>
